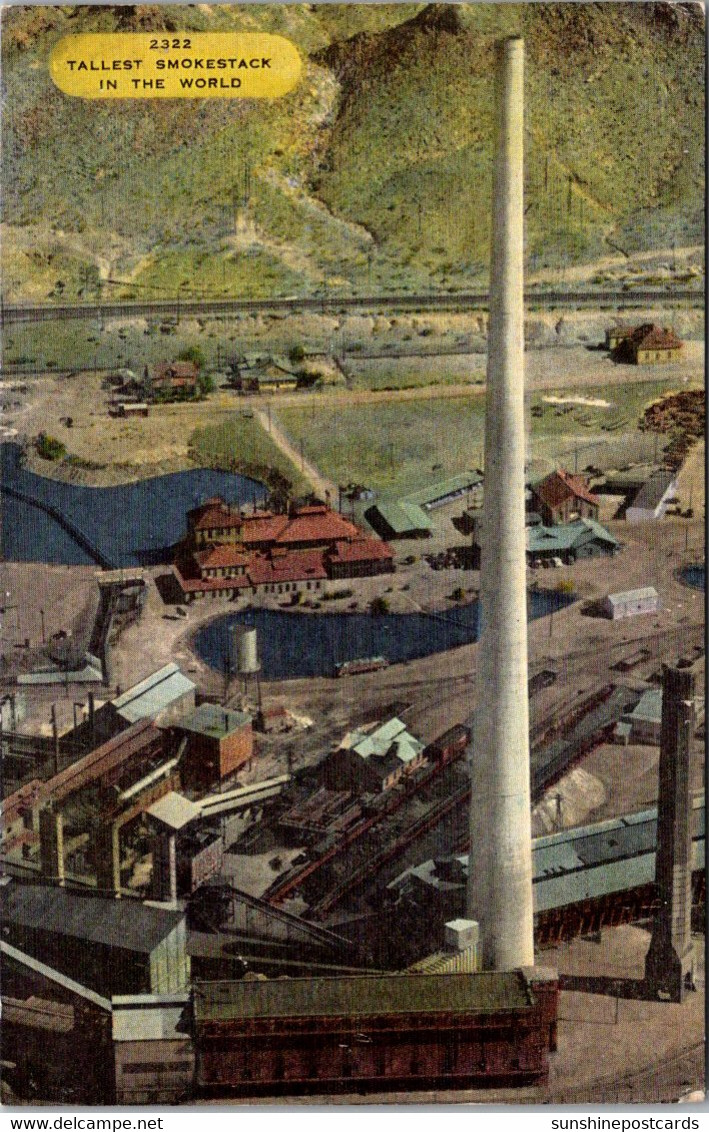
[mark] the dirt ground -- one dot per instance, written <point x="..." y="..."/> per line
<point x="627" y="1036"/>
<point x="65" y="594"/>
<point x="144" y="447"/>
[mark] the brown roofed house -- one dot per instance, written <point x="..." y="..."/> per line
<point x="561" y="497"/>
<point x="646" y="344"/>
<point x="175" y="379"/>
<point x="653" y="344"/>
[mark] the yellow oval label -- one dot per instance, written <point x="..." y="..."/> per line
<point x="184" y="65"/>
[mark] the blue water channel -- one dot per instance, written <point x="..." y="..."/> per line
<point x="293" y="645"/>
<point x="695" y="576"/>
<point x="132" y="524"/>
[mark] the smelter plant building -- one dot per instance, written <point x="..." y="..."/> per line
<point x="325" y="1035"/>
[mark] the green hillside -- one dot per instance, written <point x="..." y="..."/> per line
<point x="374" y="171"/>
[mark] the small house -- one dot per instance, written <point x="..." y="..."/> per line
<point x="646" y="344"/>
<point x="263" y="374"/>
<point x="561" y="497"/>
<point x="174" y="380"/>
<point x="583" y="538"/>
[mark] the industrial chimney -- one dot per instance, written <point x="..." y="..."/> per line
<point x="500" y="871"/>
<point x="669" y="964"/>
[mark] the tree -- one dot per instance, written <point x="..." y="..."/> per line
<point x="192" y="354"/>
<point x="378" y="606"/>
<point x="205" y="384"/>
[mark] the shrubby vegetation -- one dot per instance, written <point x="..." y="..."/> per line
<point x="49" y="448"/>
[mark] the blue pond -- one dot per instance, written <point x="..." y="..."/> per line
<point x="695" y="576"/>
<point x="293" y="645"/>
<point x="132" y="524"/>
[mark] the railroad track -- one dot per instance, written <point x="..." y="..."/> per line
<point x="426" y="822"/>
<point x="661" y="1081"/>
<point x="466" y="300"/>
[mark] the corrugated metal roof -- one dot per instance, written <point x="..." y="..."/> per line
<point x="124" y="924"/>
<point x="442" y="962"/>
<point x="402" y="517"/>
<point x="487" y="992"/>
<point x="454" y="485"/>
<point x="152" y="695"/>
<point x="644" y="593"/>
<point x="391" y="737"/>
<point x="174" y="810"/>
<point x="580" y="864"/>
<point x="648" y="709"/>
<point x="564" y="536"/>
<point x="54" y="976"/>
<point x="214" y="721"/>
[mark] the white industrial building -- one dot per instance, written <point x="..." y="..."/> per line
<point x="653" y="497"/>
<point x="630" y="602"/>
<point x="643" y="723"/>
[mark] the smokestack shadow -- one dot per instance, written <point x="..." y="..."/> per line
<point x="613" y="987"/>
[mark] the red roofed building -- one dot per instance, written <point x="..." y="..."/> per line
<point x="646" y="344"/>
<point x="228" y="551"/>
<point x="317" y="526"/>
<point x="262" y="530"/>
<point x="653" y="344"/>
<point x="213" y="522"/>
<point x="360" y="558"/>
<point x="223" y="561"/>
<point x="281" y="569"/>
<point x="561" y="497"/>
<point x="175" y="378"/>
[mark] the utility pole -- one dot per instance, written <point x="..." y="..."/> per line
<point x="55" y="737"/>
<point x="76" y="704"/>
<point x="247" y="184"/>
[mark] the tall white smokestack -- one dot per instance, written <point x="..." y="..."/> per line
<point x="500" y="872"/>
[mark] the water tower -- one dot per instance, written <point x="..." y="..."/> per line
<point x="245" y="645"/>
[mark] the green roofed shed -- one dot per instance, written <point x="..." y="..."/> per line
<point x="486" y="992"/>
<point x="404" y="518"/>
